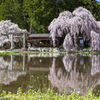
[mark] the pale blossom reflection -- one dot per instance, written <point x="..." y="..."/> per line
<point x="6" y="77"/>
<point x="8" y="73"/>
<point x="68" y="61"/>
<point x="4" y="64"/>
<point x="79" y="75"/>
<point x="95" y="61"/>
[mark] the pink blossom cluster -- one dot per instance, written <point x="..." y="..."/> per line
<point x="7" y="27"/>
<point x="79" y="22"/>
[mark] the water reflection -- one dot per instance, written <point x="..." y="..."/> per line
<point x="79" y="74"/>
<point x="38" y="67"/>
<point x="62" y="73"/>
<point x="6" y="77"/>
<point x="25" y="71"/>
<point x="5" y="62"/>
<point x="68" y="61"/>
<point x="95" y="61"/>
<point x="10" y="68"/>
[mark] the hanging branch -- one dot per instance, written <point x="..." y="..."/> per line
<point x="79" y="22"/>
<point x="95" y="41"/>
<point x="7" y="27"/>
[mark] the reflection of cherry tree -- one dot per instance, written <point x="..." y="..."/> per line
<point x="5" y="64"/>
<point x="68" y="60"/>
<point x="6" y="77"/>
<point x="72" y="78"/>
<point x="95" y="64"/>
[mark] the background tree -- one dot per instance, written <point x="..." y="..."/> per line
<point x="70" y="5"/>
<point x="79" y="22"/>
<point x="98" y="3"/>
<point x="12" y="10"/>
<point x="39" y="13"/>
<point x="36" y="15"/>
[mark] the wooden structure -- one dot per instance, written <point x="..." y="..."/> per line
<point x="17" y="35"/>
<point x="41" y="40"/>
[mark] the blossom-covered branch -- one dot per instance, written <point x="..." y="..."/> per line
<point x="7" y="27"/>
<point x="79" y="22"/>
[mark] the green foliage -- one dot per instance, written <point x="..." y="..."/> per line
<point x="91" y="5"/>
<point x="36" y="15"/>
<point x="98" y="4"/>
<point x="49" y="95"/>
<point x="34" y="52"/>
<point x="69" y="5"/>
<point x="40" y="13"/>
<point x="12" y="10"/>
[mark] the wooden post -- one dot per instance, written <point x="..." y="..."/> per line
<point x="11" y="41"/>
<point x="11" y="62"/>
<point x="23" y="41"/>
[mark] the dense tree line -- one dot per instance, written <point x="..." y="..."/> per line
<point x="36" y="15"/>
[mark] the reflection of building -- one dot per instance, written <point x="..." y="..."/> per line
<point x="8" y="71"/>
<point x="39" y="63"/>
<point x="78" y="74"/>
<point x="44" y="55"/>
<point x="18" y="62"/>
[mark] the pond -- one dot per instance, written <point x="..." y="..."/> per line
<point x="65" y="72"/>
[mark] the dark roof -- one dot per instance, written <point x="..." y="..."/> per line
<point x="39" y="35"/>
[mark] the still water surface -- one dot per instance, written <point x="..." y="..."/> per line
<point x="69" y="72"/>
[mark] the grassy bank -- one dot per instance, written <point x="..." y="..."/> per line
<point x="49" y="95"/>
<point x="19" y="52"/>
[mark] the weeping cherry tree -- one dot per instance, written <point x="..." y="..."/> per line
<point x="79" y="22"/>
<point x="7" y="27"/>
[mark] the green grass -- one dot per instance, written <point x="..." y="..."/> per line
<point x="76" y="52"/>
<point x="49" y="95"/>
<point x="17" y="52"/>
<point x="9" y="52"/>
